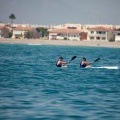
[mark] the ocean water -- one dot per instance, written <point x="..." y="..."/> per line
<point x="33" y="88"/>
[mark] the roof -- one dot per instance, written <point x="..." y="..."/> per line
<point x="101" y="28"/>
<point x="70" y="31"/>
<point x="22" y="28"/>
<point x="1" y="27"/>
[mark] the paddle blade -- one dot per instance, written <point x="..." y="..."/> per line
<point x="73" y="58"/>
<point x="97" y="60"/>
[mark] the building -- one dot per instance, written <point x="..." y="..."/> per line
<point x="101" y="33"/>
<point x="64" y="34"/>
<point x="5" y="31"/>
<point x="117" y="36"/>
<point x="18" y="32"/>
<point x="83" y="36"/>
<point x="1" y="31"/>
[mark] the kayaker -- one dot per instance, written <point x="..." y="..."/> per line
<point x="85" y="64"/>
<point x="60" y="62"/>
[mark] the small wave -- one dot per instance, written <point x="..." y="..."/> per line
<point x="33" y="44"/>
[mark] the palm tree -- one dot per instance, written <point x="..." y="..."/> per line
<point x="12" y="16"/>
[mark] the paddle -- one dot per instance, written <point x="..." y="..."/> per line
<point x="96" y="60"/>
<point x="72" y="58"/>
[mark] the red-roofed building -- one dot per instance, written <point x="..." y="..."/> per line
<point x="5" y="31"/>
<point x="101" y="33"/>
<point x="18" y="32"/>
<point x="61" y="34"/>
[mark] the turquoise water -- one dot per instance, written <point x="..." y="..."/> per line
<point x="33" y="88"/>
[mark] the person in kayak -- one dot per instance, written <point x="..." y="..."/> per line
<point x="85" y="64"/>
<point x="60" y="63"/>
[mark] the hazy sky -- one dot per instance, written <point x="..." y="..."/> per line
<point x="49" y="12"/>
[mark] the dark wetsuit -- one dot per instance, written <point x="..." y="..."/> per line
<point x="83" y="65"/>
<point x="59" y="65"/>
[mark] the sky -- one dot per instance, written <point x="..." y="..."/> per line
<point x="54" y="12"/>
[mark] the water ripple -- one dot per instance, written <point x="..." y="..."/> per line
<point x="32" y="87"/>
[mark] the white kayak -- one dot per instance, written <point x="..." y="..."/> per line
<point x="108" y="67"/>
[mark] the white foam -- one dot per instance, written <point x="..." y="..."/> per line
<point x="108" y="67"/>
<point x="34" y="44"/>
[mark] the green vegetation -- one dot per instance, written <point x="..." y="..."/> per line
<point x="12" y="17"/>
<point x="65" y="38"/>
<point x="44" y="31"/>
<point x="10" y="34"/>
<point x="28" y="35"/>
<point x="38" y="30"/>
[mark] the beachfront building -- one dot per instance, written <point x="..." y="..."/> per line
<point x="101" y="34"/>
<point x="1" y="31"/>
<point x="18" y="32"/>
<point x="5" y="31"/>
<point x="117" y="35"/>
<point x="64" y="34"/>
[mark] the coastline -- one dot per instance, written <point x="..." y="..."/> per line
<point x="60" y="42"/>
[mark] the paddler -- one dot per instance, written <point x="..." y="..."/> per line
<point x="60" y="62"/>
<point x="85" y="64"/>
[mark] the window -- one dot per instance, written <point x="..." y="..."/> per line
<point x="59" y="34"/>
<point x="118" y="34"/>
<point x="98" y="32"/>
<point x="91" y="38"/>
<point x="103" y="38"/>
<point x="92" y="32"/>
<point x="101" y="32"/>
<point x="98" y="38"/>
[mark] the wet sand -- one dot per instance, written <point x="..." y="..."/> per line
<point x="60" y="42"/>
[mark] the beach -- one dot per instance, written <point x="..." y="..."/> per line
<point x="60" y="42"/>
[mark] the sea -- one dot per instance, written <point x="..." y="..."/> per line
<point x="33" y="88"/>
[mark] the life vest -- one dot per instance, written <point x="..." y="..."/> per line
<point x="82" y="65"/>
<point x="59" y="65"/>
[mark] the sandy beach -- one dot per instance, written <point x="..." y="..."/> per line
<point x="60" y="42"/>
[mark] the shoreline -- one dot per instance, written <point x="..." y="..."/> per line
<point x="60" y="42"/>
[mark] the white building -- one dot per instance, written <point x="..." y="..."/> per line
<point x="18" y="32"/>
<point x="1" y="31"/>
<point x="117" y="36"/>
<point x="100" y="33"/>
<point x="62" y="34"/>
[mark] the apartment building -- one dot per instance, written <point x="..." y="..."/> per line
<point x="101" y="33"/>
<point x="62" y="34"/>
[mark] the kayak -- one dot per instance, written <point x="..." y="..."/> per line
<point x="64" y="66"/>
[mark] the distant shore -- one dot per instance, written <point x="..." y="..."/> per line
<point x="60" y="42"/>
